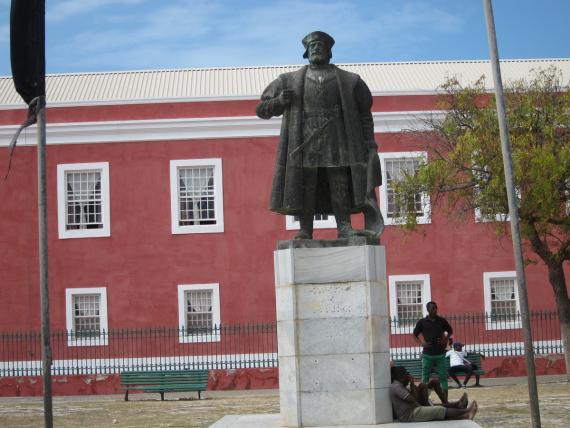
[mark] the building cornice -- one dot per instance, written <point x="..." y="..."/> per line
<point x="179" y="100"/>
<point x="189" y="129"/>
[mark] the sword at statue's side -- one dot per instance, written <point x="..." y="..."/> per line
<point x="373" y="219"/>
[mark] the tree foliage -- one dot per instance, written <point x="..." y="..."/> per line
<point x="464" y="172"/>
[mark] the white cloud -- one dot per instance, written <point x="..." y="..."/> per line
<point x="183" y="33"/>
<point x="61" y="10"/>
<point x="420" y="15"/>
<point x="159" y="28"/>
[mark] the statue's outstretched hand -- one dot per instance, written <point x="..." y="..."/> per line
<point x="286" y="97"/>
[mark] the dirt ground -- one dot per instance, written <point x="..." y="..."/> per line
<point x="500" y="406"/>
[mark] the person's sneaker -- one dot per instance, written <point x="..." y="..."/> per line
<point x="463" y="386"/>
<point x="478" y="385"/>
<point x="458" y="386"/>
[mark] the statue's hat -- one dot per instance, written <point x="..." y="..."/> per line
<point x="317" y="35"/>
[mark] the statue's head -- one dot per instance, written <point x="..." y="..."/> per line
<point x="318" y="47"/>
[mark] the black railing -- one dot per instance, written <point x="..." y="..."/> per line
<point x="131" y="349"/>
<point x="242" y="346"/>
<point x="486" y="334"/>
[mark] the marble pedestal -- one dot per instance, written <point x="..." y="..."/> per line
<point x="333" y="336"/>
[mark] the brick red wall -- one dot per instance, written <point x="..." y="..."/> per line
<point x="142" y="262"/>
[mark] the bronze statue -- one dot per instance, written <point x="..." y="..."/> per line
<point x="327" y="160"/>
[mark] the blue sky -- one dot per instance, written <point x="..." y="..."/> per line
<point x="107" y="35"/>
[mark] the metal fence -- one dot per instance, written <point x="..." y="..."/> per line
<point x="243" y="345"/>
<point x="132" y="349"/>
<point x="488" y="334"/>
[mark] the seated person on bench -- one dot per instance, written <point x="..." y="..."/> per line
<point x="458" y="362"/>
<point x="410" y="402"/>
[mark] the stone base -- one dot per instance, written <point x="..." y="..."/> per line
<point x="354" y="241"/>
<point x="274" y="421"/>
<point x="333" y="335"/>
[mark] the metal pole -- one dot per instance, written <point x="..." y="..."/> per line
<point x="514" y="215"/>
<point x="44" y="296"/>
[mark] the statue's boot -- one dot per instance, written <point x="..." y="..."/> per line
<point x="306" y="232"/>
<point x="340" y="201"/>
<point x="307" y="215"/>
<point x="344" y="228"/>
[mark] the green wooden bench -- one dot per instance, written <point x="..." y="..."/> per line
<point x="165" y="381"/>
<point x="414" y="367"/>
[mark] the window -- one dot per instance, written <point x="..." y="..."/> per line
<point x="196" y="196"/>
<point x="83" y="200"/>
<point x="408" y="297"/>
<point x="86" y="316"/>
<point x="482" y="217"/>
<point x="501" y="300"/>
<point x="321" y="221"/>
<point x="394" y="166"/>
<point x="199" y="312"/>
<point x="486" y="218"/>
<point x="497" y="213"/>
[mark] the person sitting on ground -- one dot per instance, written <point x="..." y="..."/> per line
<point x="408" y="408"/>
<point x="458" y="362"/>
<point x="421" y="392"/>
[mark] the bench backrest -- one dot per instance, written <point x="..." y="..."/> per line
<point x="414" y="367"/>
<point x="164" y="376"/>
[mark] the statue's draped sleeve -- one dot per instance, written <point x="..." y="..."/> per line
<point x="363" y="99"/>
<point x="270" y="105"/>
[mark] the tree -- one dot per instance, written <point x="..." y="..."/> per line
<point x="464" y="171"/>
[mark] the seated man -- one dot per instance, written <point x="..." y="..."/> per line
<point x="408" y="408"/>
<point x="458" y="362"/>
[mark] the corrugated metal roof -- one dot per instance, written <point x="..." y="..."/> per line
<point x="242" y="82"/>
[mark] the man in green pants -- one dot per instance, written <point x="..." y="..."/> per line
<point x="436" y="333"/>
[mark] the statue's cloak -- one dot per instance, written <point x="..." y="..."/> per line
<point x="356" y="102"/>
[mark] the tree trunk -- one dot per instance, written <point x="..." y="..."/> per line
<point x="558" y="281"/>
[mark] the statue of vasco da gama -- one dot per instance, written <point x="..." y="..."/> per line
<point x="327" y="159"/>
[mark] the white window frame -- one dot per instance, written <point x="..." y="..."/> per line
<point x="499" y="217"/>
<point x="501" y="325"/>
<point x="103" y="320"/>
<point x="426" y="297"/>
<point x="194" y="338"/>
<point x="292" y="224"/>
<point x="62" y="169"/>
<point x="216" y="163"/>
<point x="425" y="201"/>
<point x="480" y="218"/>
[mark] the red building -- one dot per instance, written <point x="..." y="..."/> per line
<point x="158" y="186"/>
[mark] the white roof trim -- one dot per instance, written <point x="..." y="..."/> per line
<point x="421" y="77"/>
<point x="24" y="107"/>
<point x="188" y="129"/>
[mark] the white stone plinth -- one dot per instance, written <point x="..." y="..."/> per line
<point x="333" y="336"/>
<point x="274" y="421"/>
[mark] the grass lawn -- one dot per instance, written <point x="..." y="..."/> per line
<point x="503" y="406"/>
